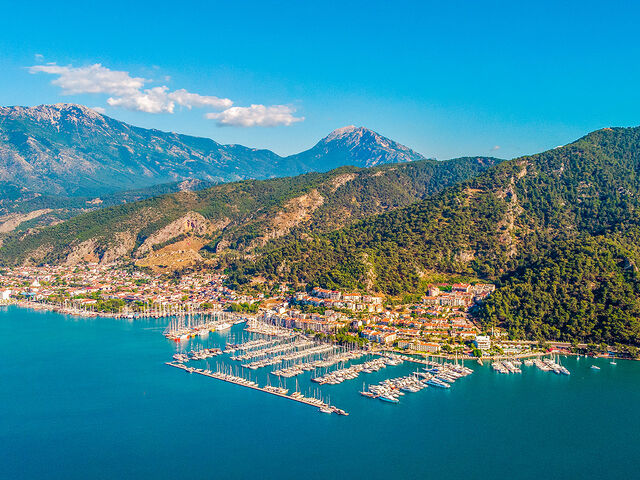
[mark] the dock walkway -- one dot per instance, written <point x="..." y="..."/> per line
<point x="314" y="402"/>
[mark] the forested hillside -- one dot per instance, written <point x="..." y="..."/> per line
<point x="239" y="217"/>
<point x="531" y="224"/>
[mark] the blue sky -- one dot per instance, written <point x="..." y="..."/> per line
<point x="445" y="78"/>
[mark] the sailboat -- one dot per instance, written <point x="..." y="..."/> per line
<point x="366" y="393"/>
<point x="326" y="408"/>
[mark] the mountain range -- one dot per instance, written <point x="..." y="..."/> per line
<point x="557" y="232"/>
<point x="72" y="150"/>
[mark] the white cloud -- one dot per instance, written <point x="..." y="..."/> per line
<point x="38" y="57"/>
<point x="126" y="91"/>
<point x="256" y="116"/>
<point x="186" y="99"/>
<point x="160" y="100"/>
<point x="99" y="110"/>
<point x="92" y="79"/>
<point x="496" y="148"/>
<point x="151" y="100"/>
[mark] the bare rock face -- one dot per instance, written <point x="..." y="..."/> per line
<point x="192" y="223"/>
<point x="340" y="180"/>
<point x="83" y="252"/>
<point x="121" y="247"/>
<point x="357" y="146"/>
<point x="175" y="256"/>
<point x="9" y="223"/>
<point x="294" y="212"/>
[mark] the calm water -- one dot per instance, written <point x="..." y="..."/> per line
<point x="91" y="398"/>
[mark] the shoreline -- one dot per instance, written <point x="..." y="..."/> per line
<point x="472" y="359"/>
<point x="134" y="316"/>
<point x="82" y="313"/>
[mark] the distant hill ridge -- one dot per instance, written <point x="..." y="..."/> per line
<point x="237" y="218"/>
<point x="71" y="150"/>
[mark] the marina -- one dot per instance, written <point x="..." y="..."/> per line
<point x="440" y="376"/>
<point x="188" y="323"/>
<point x="289" y="356"/>
<point x="544" y="364"/>
<point x="254" y="346"/>
<point x="280" y="392"/>
<point x="123" y="388"/>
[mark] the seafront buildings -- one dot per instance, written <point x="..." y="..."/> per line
<point x="439" y="323"/>
<point x="95" y="285"/>
<point x="335" y="335"/>
<point x="482" y="342"/>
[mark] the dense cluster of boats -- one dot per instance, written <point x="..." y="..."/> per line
<point x="197" y="354"/>
<point x="256" y="326"/>
<point x="323" y="406"/>
<point x="552" y="365"/>
<point x="249" y="345"/>
<point x="325" y="361"/>
<point x="184" y="333"/>
<point x="546" y="365"/>
<point x="439" y="376"/>
<point x="507" y="366"/>
<point x="294" y="355"/>
<point x="188" y="325"/>
<point x="273" y="350"/>
<point x="349" y="373"/>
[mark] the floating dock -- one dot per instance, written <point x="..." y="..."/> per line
<point x="314" y="402"/>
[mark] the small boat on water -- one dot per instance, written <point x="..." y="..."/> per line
<point x="388" y="398"/>
<point x="435" y="382"/>
<point x="595" y="367"/>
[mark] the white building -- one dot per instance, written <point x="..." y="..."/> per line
<point x="5" y="295"/>
<point x="426" y="347"/>
<point x="388" y="338"/>
<point x="483" y="342"/>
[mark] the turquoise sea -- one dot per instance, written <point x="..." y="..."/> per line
<point x="92" y="399"/>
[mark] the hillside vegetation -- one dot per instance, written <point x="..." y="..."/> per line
<point x="557" y="231"/>
<point x="235" y="218"/>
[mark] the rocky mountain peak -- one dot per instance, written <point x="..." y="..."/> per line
<point x="70" y="149"/>
<point x="364" y="147"/>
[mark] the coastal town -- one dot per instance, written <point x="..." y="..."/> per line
<point x="439" y="322"/>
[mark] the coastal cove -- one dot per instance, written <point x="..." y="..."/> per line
<point x="92" y="398"/>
